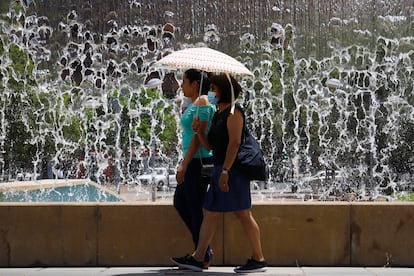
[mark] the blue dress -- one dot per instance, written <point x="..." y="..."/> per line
<point x="238" y="197"/>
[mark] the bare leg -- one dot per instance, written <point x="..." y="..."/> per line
<point x="251" y="228"/>
<point x="207" y="230"/>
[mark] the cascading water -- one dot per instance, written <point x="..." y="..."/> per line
<point x="331" y="100"/>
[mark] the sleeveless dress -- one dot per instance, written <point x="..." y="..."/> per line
<point x="238" y="197"/>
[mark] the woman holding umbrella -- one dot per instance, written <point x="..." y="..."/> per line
<point x="229" y="189"/>
<point x="190" y="191"/>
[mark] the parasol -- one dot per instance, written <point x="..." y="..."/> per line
<point x="206" y="59"/>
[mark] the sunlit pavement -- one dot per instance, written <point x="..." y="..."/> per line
<point x="131" y="271"/>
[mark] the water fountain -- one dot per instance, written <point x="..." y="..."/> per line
<point x="75" y="97"/>
<point x="331" y="102"/>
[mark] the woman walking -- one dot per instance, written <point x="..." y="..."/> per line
<point x="229" y="190"/>
<point x="190" y="191"/>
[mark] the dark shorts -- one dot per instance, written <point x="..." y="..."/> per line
<point x="236" y="199"/>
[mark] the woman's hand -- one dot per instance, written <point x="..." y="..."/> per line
<point x="179" y="176"/>
<point x="195" y="125"/>
<point x="224" y="182"/>
<point x="198" y="126"/>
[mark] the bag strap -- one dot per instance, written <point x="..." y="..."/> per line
<point x="201" y="159"/>
<point x="245" y="130"/>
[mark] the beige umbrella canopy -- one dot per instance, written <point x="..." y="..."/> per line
<point x="205" y="59"/>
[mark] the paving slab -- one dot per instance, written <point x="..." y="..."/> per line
<point x="18" y="271"/>
<point x="391" y="271"/>
<point x="340" y="271"/>
<point x="212" y="271"/>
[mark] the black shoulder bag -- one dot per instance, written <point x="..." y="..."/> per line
<point x="250" y="159"/>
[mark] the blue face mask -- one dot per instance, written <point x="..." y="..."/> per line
<point x="212" y="98"/>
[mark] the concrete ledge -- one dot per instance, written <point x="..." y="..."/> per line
<point x="298" y="234"/>
<point x="132" y="234"/>
<point x="382" y="234"/>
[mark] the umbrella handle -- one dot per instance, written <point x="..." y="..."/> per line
<point x="199" y="92"/>
<point x="233" y="104"/>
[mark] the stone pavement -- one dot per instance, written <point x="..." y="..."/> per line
<point x="131" y="271"/>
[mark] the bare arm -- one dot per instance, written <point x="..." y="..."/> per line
<point x="199" y="128"/>
<point x="193" y="147"/>
<point x="235" y="128"/>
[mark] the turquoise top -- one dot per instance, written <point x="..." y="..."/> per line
<point x="205" y="112"/>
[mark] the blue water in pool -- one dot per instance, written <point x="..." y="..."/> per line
<point x="72" y="193"/>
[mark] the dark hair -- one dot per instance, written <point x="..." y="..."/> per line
<point x="222" y="82"/>
<point x="196" y="75"/>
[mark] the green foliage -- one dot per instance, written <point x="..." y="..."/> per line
<point x="158" y="110"/>
<point x="408" y="196"/>
<point x="314" y="136"/>
<point x="258" y="86"/>
<point x="40" y="100"/>
<point x="4" y="6"/>
<point x="168" y="135"/>
<point x="290" y="106"/>
<point x="73" y="131"/>
<point x="303" y="122"/>
<point x="333" y="132"/>
<point x="143" y="130"/>
<point x="276" y="86"/>
<point x="22" y="64"/>
<point x="67" y="100"/>
<point x="49" y="146"/>
<point x="124" y="100"/>
<point x="17" y="145"/>
<point x="148" y="95"/>
<point x="289" y="61"/>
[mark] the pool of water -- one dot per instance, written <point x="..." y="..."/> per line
<point x="68" y="193"/>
